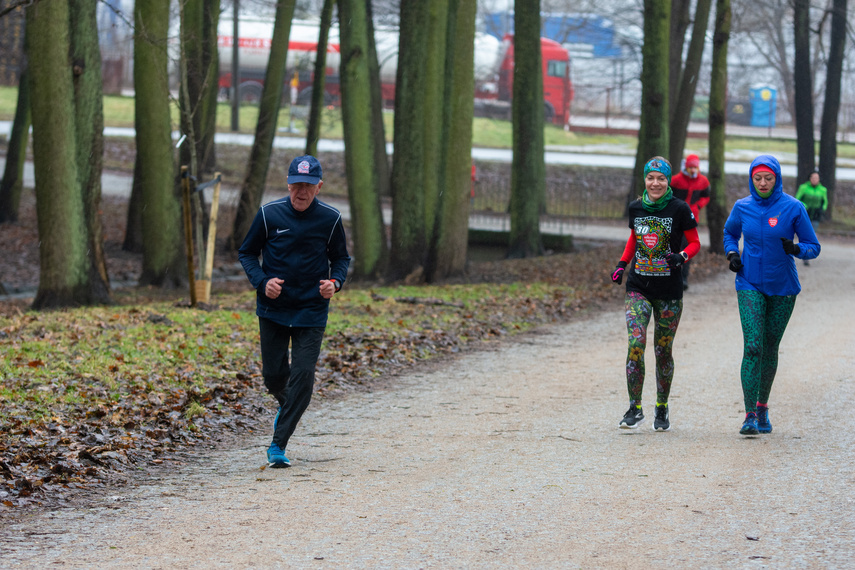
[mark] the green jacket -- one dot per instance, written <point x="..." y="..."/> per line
<point x="813" y="197"/>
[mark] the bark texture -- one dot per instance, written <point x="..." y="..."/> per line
<point x="528" y="170"/>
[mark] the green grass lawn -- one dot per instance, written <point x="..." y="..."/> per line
<point x="119" y="112"/>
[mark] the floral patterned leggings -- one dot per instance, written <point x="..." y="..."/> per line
<point x="667" y="317"/>
<point x="764" y="320"/>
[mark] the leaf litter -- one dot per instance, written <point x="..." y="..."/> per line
<point x="91" y="395"/>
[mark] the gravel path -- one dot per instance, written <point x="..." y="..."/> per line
<point x="511" y="457"/>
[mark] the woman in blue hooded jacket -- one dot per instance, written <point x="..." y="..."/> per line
<point x="766" y="278"/>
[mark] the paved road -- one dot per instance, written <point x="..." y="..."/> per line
<point x="510" y="457"/>
<point x="595" y="155"/>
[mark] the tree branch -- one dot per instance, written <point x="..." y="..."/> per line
<point x="15" y="5"/>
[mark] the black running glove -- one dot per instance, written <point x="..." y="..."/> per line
<point x="674" y="260"/>
<point x="617" y="275"/>
<point x="735" y="262"/>
<point x="790" y="248"/>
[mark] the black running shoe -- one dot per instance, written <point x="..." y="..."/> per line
<point x="633" y="418"/>
<point x="661" y="421"/>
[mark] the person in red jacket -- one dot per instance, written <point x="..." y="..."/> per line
<point x="693" y="188"/>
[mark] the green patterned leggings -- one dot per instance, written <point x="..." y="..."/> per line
<point x="764" y="320"/>
<point x="666" y="315"/>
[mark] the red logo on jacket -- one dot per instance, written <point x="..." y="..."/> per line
<point x="773" y="222"/>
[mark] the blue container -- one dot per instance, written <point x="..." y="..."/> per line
<point x="764" y="103"/>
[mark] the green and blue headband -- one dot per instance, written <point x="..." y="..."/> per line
<point x="658" y="164"/>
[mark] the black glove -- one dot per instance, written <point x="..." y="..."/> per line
<point x="735" y="262"/>
<point x="790" y="248"/>
<point x="675" y="260"/>
<point x="617" y="275"/>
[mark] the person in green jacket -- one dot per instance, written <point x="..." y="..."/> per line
<point x="814" y="196"/>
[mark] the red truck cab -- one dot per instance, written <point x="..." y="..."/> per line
<point x="557" y="88"/>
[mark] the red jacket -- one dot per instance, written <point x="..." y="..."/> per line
<point x="693" y="191"/>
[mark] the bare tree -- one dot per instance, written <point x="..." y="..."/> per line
<point x="268" y="114"/>
<point x="831" y="107"/>
<point x="65" y="266"/>
<point x="803" y="90"/>
<point x="358" y="98"/>
<point x="16" y="154"/>
<point x="653" y="134"/>
<point x="528" y="169"/>
<point x="448" y="246"/>
<point x="408" y="168"/>
<point x="686" y="81"/>
<point x="156" y="203"/>
<point x="717" y="208"/>
<point x="316" y="108"/>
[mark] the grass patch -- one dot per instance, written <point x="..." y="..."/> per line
<point x="90" y="392"/>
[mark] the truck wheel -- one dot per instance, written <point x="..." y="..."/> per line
<point x="548" y="113"/>
<point x="305" y="97"/>
<point x="250" y="92"/>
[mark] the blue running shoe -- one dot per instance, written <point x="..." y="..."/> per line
<point x="763" y="423"/>
<point x="749" y="427"/>
<point x="276" y="457"/>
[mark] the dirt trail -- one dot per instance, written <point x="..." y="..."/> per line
<point x="511" y="457"/>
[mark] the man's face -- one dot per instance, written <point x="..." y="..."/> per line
<point x="692" y="171"/>
<point x="814" y="179"/>
<point x="302" y="194"/>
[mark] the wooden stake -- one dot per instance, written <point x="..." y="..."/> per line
<point x="188" y="234"/>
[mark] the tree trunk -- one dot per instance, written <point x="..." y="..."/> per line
<point x="16" y="154"/>
<point x="831" y="107"/>
<point x="252" y="190"/>
<point x="528" y="169"/>
<point x="435" y="110"/>
<point x="448" y="248"/>
<point x="211" y="87"/>
<point x="369" y="233"/>
<point x="679" y="24"/>
<point x="63" y="241"/>
<point x="133" y="225"/>
<point x="408" y="168"/>
<point x="89" y="124"/>
<point x="378" y="127"/>
<point x="313" y="125"/>
<point x="681" y="106"/>
<point x="653" y="136"/>
<point x="160" y="209"/>
<point x="803" y="90"/>
<point x="717" y="208"/>
<point x="199" y="112"/>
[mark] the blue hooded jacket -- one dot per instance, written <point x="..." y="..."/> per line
<point x="762" y="222"/>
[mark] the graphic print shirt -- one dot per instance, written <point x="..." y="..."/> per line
<point x="656" y="235"/>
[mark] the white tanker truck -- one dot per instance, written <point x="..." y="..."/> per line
<point x="493" y="66"/>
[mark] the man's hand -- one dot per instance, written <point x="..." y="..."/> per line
<point x="273" y="288"/>
<point x="327" y="288"/>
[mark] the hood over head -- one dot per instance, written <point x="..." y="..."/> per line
<point x="772" y="163"/>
